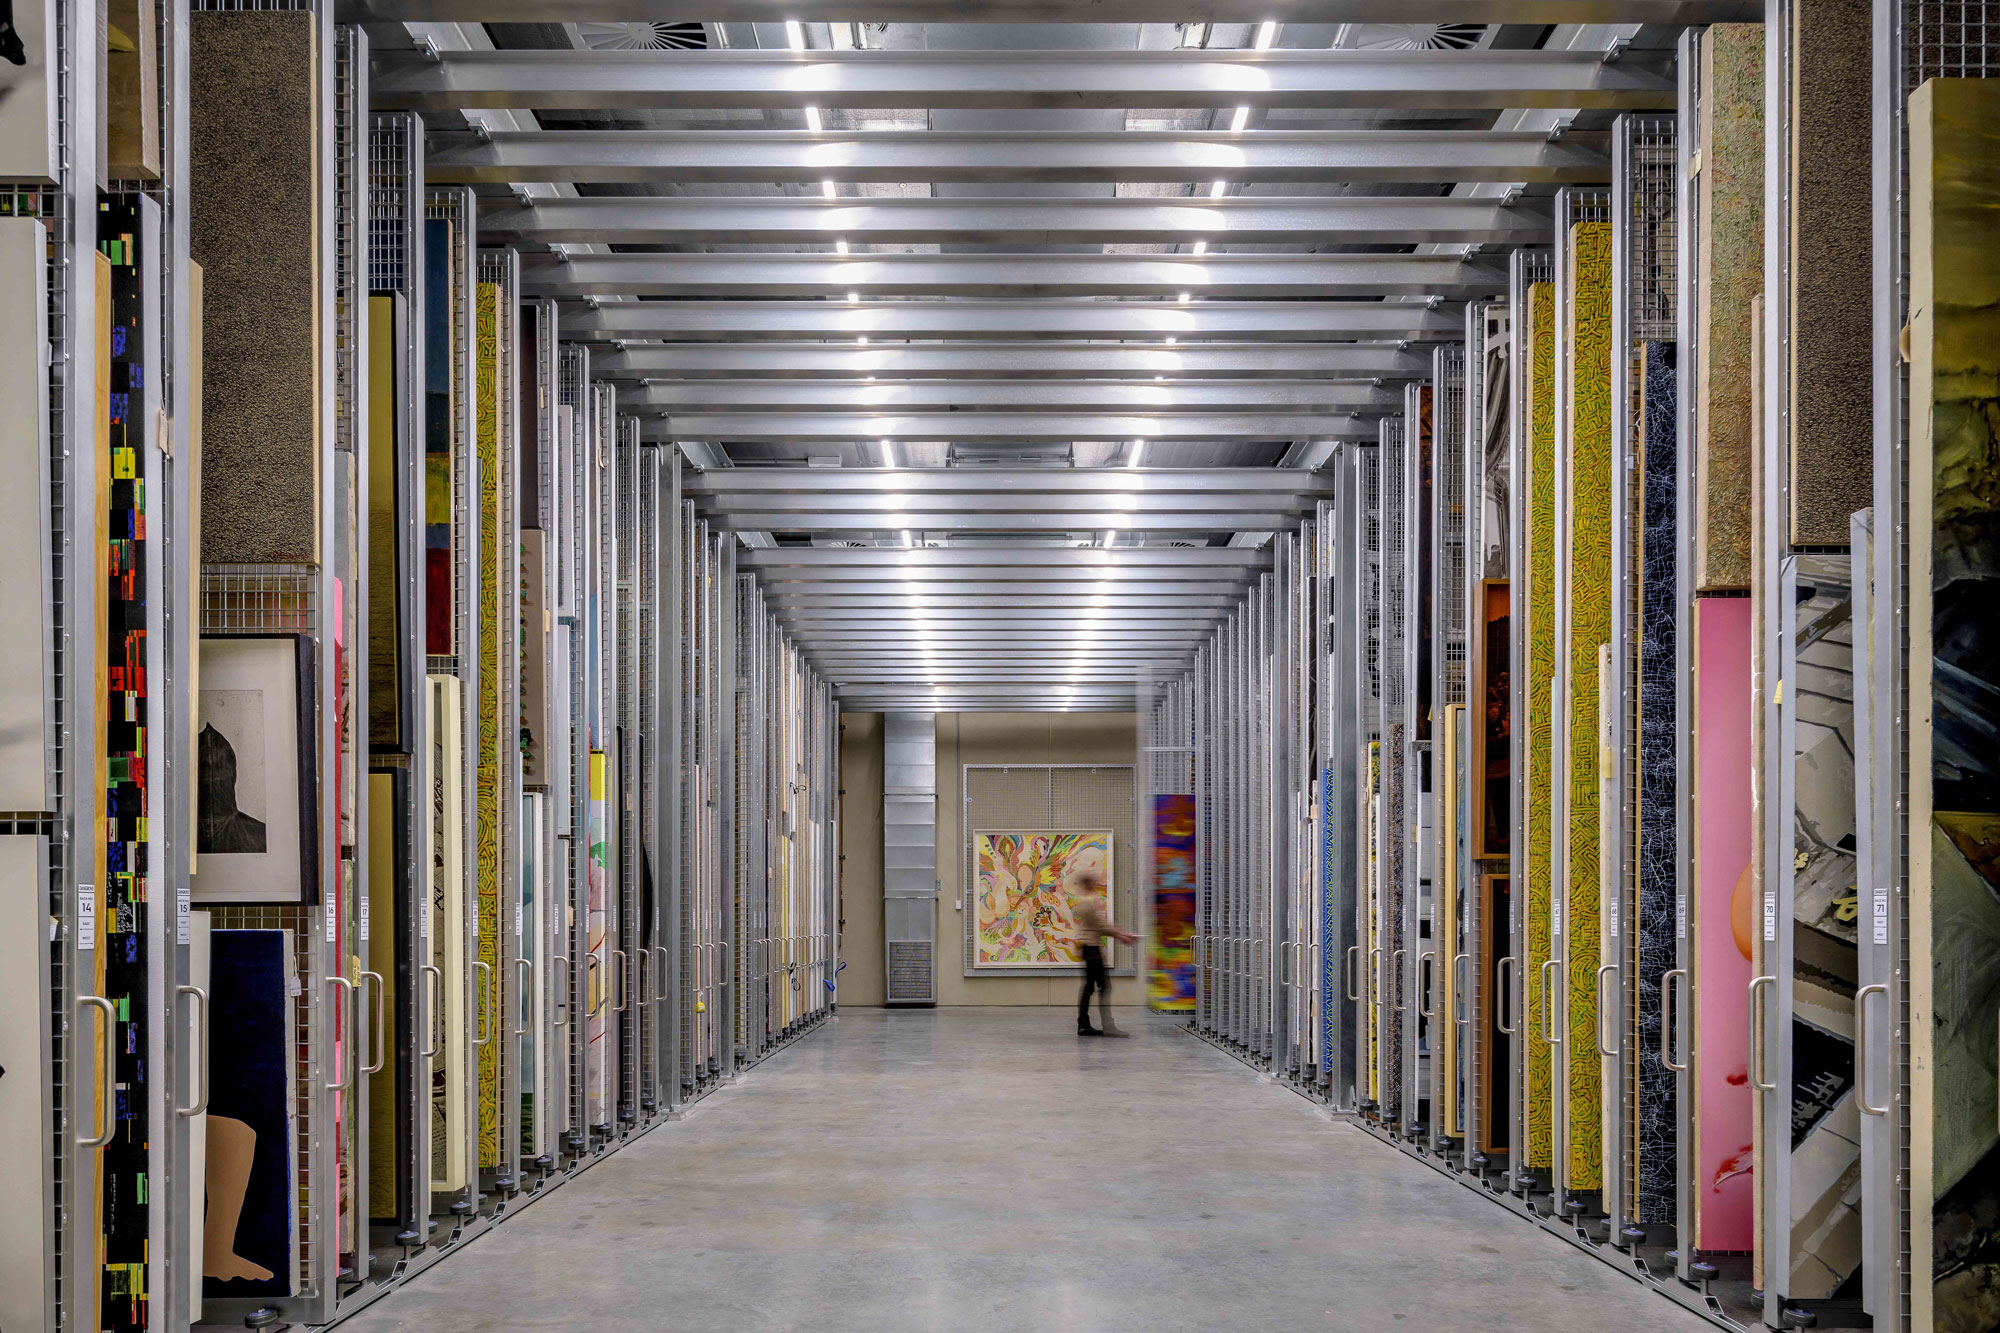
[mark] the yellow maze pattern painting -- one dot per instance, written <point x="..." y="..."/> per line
<point x="487" y="791"/>
<point x="1588" y="344"/>
<point x="1540" y="629"/>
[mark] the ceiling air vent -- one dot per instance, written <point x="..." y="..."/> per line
<point x="1416" y="36"/>
<point x="643" y="36"/>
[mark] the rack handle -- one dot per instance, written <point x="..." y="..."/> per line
<point x="527" y="988"/>
<point x="436" y="974"/>
<point x="623" y="978"/>
<point x="1666" y="1019"/>
<point x="1504" y="989"/>
<point x="486" y="994"/>
<point x="1598" y="989"/>
<point x="1349" y="961"/>
<point x="108" y="1018"/>
<point x="341" y="1078"/>
<point x="1458" y="1013"/>
<point x="562" y="991"/>
<point x="592" y="1003"/>
<point x="378" y="1045"/>
<point x="200" y="1103"/>
<point x="1548" y="1004"/>
<point x="662" y="970"/>
<point x="1375" y="973"/>
<point x="1396" y="956"/>
<point x="1756" y="1045"/>
<point x="1861" y="1048"/>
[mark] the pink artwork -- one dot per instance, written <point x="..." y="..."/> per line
<point x="1724" y="1182"/>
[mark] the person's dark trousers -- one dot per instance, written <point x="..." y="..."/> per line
<point x="1095" y="978"/>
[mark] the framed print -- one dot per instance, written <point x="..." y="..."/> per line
<point x="1024" y="881"/>
<point x="257" y="829"/>
<point x="28" y="115"/>
<point x="1493" y="724"/>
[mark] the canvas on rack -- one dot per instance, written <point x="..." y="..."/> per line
<point x="257" y="841"/>
<point x="131" y="90"/>
<point x="441" y="389"/>
<point x="388" y="332"/>
<point x="1721" y="916"/>
<point x="29" y="114"/>
<point x="250" y="1240"/>
<point x="254" y="119"/>
<point x="387" y="948"/>
<point x="1538" y="631"/>
<point x="1023" y="885"/>
<point x="24" y="516"/>
<point x="1954" y="737"/>
<point x="1171" y="988"/>
<point x="27" y="1179"/>
<point x="446" y="962"/>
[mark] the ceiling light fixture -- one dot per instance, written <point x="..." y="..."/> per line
<point x="812" y="120"/>
<point x="795" y="34"/>
<point x="863" y="340"/>
<point x="1201" y="247"/>
<point x="1239" y="120"/>
<point x="1138" y="454"/>
<point x="840" y="247"/>
<point x="853" y="297"/>
<point x="1218" y="189"/>
<point x="888" y="453"/>
<point x="828" y="189"/>
<point x="1171" y="340"/>
<point x="1267" y="32"/>
<point x="1185" y="297"/>
<point x="1110" y="536"/>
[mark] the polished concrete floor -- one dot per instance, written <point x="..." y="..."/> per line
<point x="983" y="1169"/>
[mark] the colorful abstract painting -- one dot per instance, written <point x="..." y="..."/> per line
<point x="1538" y="753"/>
<point x="597" y="949"/>
<point x="1954" y="821"/>
<point x="1170" y="986"/>
<point x="439" y="311"/>
<point x="1587" y="345"/>
<point x="122" y="943"/>
<point x="1022" y="891"/>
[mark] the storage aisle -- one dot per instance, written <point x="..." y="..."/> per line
<point x="980" y="1168"/>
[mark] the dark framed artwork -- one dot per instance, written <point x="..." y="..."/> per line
<point x="1496" y="1050"/>
<point x="1493" y="729"/>
<point x="256" y="779"/>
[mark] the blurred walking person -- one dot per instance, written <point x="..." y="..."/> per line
<point x="1093" y="923"/>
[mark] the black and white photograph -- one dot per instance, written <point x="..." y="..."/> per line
<point x="256" y="825"/>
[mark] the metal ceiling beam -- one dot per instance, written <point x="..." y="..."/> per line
<point x="706" y="395"/>
<point x="1017" y="361"/>
<point x="772" y="520"/>
<point x="1253" y="219"/>
<point x="945" y="561"/>
<point x="1066" y="11"/>
<point x="678" y="157"/>
<point x="1062" y="79"/>
<point x="959" y="426"/>
<point x="1083" y="591"/>
<point x="1312" y="321"/>
<point x="1228" y="277"/>
<point x="969" y="620"/>
<point x="1205" y="483"/>
<point x="1217" y="602"/>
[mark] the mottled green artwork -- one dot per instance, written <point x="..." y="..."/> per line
<point x="1537" y="768"/>
<point x="1587" y="348"/>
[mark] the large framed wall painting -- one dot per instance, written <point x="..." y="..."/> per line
<point x="257" y="834"/>
<point x="28" y="112"/>
<point x="1954" y="734"/>
<point x="1496" y="1046"/>
<point x="1170" y="987"/>
<point x="1023" y="884"/>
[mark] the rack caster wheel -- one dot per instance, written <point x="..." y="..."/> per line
<point x="543" y="1163"/>
<point x="1793" y="1317"/>
<point x="1632" y="1235"/>
<point x="507" y="1185"/>
<point x="464" y="1207"/>
<point x="262" y="1317"/>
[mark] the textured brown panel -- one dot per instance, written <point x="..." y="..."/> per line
<point x="254" y="220"/>
<point x="1832" y="288"/>
<point x="132" y="90"/>
<point x="1730" y="200"/>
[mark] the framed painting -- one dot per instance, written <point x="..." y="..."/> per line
<point x="28" y="113"/>
<point x="1496" y="1048"/>
<point x="1024" y="884"/>
<point x="1493" y="727"/>
<point x="257" y="825"/>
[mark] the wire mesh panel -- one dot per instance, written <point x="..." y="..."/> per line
<point x="1393" y="836"/>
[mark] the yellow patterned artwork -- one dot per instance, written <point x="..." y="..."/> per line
<point x="1024" y="886"/>
<point x="1587" y="344"/>
<point x="1540" y="737"/>
<point x="487" y="790"/>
